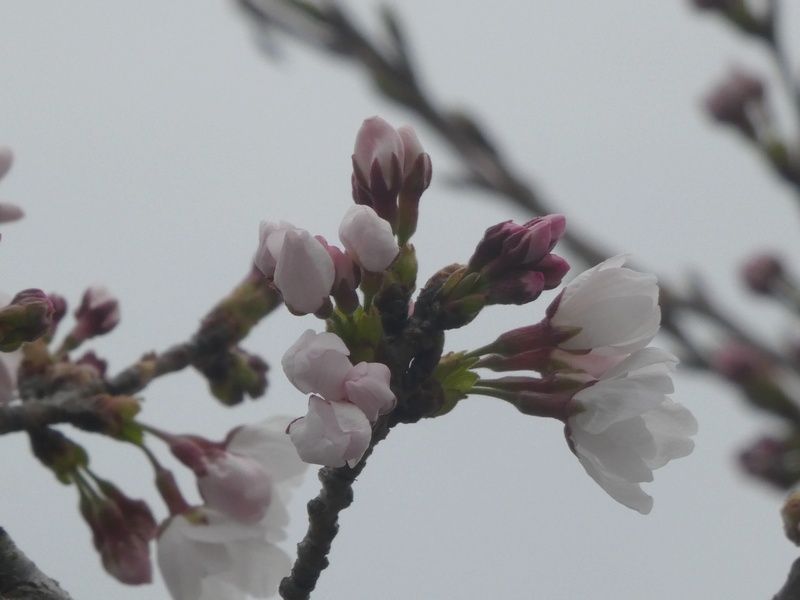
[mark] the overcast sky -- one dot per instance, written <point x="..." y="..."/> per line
<point x="150" y="140"/>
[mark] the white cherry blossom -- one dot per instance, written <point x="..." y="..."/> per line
<point x="629" y="427"/>
<point x="614" y="309"/>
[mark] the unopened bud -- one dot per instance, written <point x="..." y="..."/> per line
<point x="730" y="100"/>
<point x="773" y="461"/>
<point x="122" y="529"/>
<point x="28" y="317"/>
<point x="761" y="271"/>
<point x="417" y="173"/>
<point x="759" y="377"/>
<point x="791" y="517"/>
<point x="57" y="452"/>
<point x="98" y="313"/>
<point x="234" y="374"/>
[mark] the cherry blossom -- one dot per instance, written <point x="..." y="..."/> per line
<point x="203" y="554"/>
<point x="367" y="386"/>
<point x="207" y="553"/>
<point x="610" y="309"/>
<point x="333" y="433"/>
<point x="318" y="363"/>
<point x="626" y="426"/>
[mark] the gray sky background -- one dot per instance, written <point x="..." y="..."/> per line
<point x="150" y="140"/>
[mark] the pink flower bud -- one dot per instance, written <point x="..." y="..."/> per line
<point x="367" y="386"/>
<point x="300" y="265"/>
<point x="235" y="485"/>
<point x="378" y="155"/>
<point x="730" y="100"/>
<point x="98" y="313"/>
<point x="122" y="529"/>
<point x="742" y="364"/>
<point x="317" y="363"/>
<point x="769" y="459"/>
<point x="348" y="277"/>
<point x="417" y="170"/>
<point x="232" y="483"/>
<point x="331" y="434"/>
<point x="368" y="239"/>
<point x="761" y="271"/>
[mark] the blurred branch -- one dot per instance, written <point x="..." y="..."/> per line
<point x="791" y="589"/>
<point x="221" y="329"/>
<point x="328" y="28"/>
<point x="20" y="579"/>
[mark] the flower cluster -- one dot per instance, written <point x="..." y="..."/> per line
<point x="597" y="374"/>
<point x="285" y="250"/>
<point x="346" y="399"/>
<point x="600" y="378"/>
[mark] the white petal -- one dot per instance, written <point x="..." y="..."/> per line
<point x="671" y="425"/>
<point x="626" y="493"/>
<point x="368" y="238"/>
<point x="268" y="443"/>
<point x="619" y="449"/>
<point x="638" y="384"/>
<point x="318" y="363"/>
<point x="616" y="309"/>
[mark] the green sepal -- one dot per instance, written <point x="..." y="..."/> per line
<point x="456" y="379"/>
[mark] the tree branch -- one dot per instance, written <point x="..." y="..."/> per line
<point x="323" y="522"/>
<point x="328" y="28"/>
<point x="791" y="589"/>
<point x="20" y="579"/>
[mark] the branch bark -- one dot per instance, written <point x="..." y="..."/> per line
<point x="20" y="579"/>
<point x="791" y="589"/>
